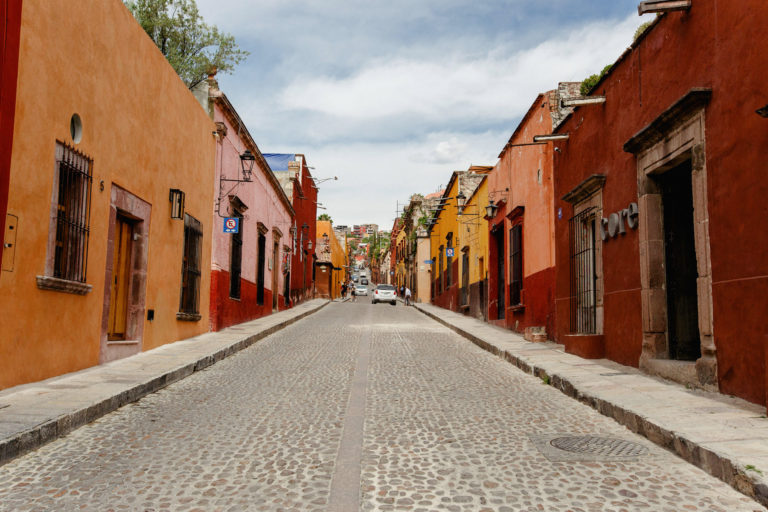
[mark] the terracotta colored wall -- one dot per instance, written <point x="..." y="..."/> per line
<point x="715" y="40"/>
<point x="10" y="24"/>
<point x="145" y="133"/>
<point x="523" y="176"/>
<point x="266" y="205"/>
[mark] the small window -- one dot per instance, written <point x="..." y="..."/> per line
<point x="236" y="260"/>
<point x="190" y="269"/>
<point x="515" y="264"/>
<point x="73" y="212"/>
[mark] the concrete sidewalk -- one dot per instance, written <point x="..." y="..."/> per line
<point x="725" y="436"/>
<point x="34" y="414"/>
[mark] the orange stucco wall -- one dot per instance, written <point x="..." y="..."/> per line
<point x="145" y="133"/>
<point x="328" y="281"/>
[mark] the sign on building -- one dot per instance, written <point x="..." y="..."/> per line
<point x="231" y="224"/>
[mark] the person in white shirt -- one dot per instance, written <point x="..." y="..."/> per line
<point x="407" y="296"/>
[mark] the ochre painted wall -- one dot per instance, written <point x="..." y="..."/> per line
<point x="145" y="133"/>
<point x="447" y="223"/>
<point x="328" y="283"/>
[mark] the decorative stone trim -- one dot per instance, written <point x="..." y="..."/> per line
<point x="517" y="211"/>
<point x="585" y="189"/>
<point x="62" y="285"/>
<point x="692" y="102"/>
<point x="188" y="317"/>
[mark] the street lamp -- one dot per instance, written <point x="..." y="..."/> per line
<point x="321" y="180"/>
<point x="247" y="160"/>
<point x="491" y="209"/>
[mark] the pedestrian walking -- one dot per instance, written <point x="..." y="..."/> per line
<point x="354" y="296"/>
<point x="343" y="289"/>
<point x="407" y="296"/>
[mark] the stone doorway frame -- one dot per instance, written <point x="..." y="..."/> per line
<point x="126" y="204"/>
<point x="674" y="137"/>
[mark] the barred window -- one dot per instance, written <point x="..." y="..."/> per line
<point x="190" y="268"/>
<point x="583" y="241"/>
<point x="73" y="212"/>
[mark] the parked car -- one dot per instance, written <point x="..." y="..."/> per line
<point x="384" y="293"/>
<point x="363" y="280"/>
<point x="361" y="289"/>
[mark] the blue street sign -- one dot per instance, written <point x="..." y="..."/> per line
<point x="429" y="262"/>
<point x="232" y="224"/>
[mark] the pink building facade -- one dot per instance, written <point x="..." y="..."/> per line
<point x="250" y="266"/>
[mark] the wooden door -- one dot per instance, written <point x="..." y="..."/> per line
<point x="121" y="270"/>
<point x="275" y="270"/>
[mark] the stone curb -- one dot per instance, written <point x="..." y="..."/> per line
<point x="716" y="464"/>
<point x="47" y="431"/>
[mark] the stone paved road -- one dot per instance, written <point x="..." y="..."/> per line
<point x="357" y="407"/>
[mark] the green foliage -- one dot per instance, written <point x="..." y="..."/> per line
<point x="325" y="216"/>
<point x="590" y="82"/>
<point x="192" y="47"/>
<point x="642" y="28"/>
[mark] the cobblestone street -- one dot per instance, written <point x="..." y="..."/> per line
<point x="359" y="407"/>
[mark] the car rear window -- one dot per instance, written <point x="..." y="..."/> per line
<point x="385" y="287"/>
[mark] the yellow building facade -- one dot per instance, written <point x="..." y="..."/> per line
<point x="458" y="246"/>
<point x="331" y="263"/>
<point x="473" y="240"/>
<point x="109" y="146"/>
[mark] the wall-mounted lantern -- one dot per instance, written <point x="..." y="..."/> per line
<point x="460" y="200"/>
<point x="176" y="197"/>
<point x="491" y="209"/>
<point x="247" y="160"/>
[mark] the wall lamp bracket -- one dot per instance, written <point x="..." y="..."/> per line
<point x="551" y="137"/>
<point x="649" y="6"/>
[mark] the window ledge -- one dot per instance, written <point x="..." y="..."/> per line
<point x="517" y="307"/>
<point x="188" y="317"/>
<point x="63" y="285"/>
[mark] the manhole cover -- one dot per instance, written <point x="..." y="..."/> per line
<point x="601" y="446"/>
<point x="564" y="447"/>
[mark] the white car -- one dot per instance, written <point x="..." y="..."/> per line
<point x="361" y="290"/>
<point x="384" y="293"/>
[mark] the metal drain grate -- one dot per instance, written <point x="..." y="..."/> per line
<point x="565" y="447"/>
<point x="600" y="446"/>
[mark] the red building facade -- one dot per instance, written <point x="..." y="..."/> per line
<point x="660" y="263"/>
<point x="10" y="28"/>
<point x="293" y="173"/>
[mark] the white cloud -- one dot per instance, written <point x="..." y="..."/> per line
<point x="461" y="88"/>
<point x="391" y="108"/>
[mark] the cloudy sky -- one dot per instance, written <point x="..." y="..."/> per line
<point x="392" y="96"/>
